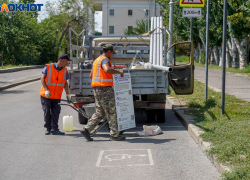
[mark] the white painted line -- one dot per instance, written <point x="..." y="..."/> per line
<point x="150" y="157"/>
<point x="99" y="159"/>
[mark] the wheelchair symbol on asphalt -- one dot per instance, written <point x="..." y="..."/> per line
<point x="117" y="157"/>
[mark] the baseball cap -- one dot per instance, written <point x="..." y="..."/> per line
<point x="109" y="47"/>
<point x="64" y="56"/>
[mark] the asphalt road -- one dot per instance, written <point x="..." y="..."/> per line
<point x="237" y="85"/>
<point x="26" y="153"/>
<point x="13" y="77"/>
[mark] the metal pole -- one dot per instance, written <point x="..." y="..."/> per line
<point x="70" y="45"/>
<point x="154" y="8"/>
<point x="164" y="39"/>
<point x="191" y="29"/>
<point x="171" y="16"/>
<point x="2" y="59"/>
<point x="224" y="56"/>
<point x="148" y="16"/>
<point x="207" y="43"/>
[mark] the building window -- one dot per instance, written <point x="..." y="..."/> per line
<point x="130" y="28"/>
<point x="130" y="12"/>
<point x="111" y="29"/>
<point x="111" y="12"/>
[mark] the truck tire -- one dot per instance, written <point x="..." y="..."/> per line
<point x="82" y="119"/>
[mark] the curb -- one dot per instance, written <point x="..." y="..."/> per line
<point x="18" y="83"/>
<point x="179" y="108"/>
<point x="20" y="68"/>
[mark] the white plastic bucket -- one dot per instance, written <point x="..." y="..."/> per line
<point x="68" y="123"/>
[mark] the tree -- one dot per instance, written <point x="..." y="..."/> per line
<point x="138" y="30"/>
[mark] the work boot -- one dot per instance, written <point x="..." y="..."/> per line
<point x="119" y="138"/>
<point x="57" y="132"/>
<point x="86" y="134"/>
<point x="47" y="132"/>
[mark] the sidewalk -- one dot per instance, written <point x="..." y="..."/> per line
<point x="238" y="85"/>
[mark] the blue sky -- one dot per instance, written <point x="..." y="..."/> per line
<point x="42" y="14"/>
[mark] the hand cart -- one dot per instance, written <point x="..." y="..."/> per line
<point x="79" y="110"/>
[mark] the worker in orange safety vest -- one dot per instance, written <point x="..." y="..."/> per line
<point x="54" y="80"/>
<point x="102" y="83"/>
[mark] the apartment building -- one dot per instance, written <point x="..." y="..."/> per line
<point x="118" y="15"/>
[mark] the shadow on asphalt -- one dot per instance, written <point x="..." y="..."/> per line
<point x="136" y="139"/>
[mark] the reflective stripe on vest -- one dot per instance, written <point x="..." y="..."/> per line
<point x="97" y="74"/>
<point x="49" y="78"/>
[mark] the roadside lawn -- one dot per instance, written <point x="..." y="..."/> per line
<point x="11" y="66"/>
<point x="229" y="134"/>
<point x="245" y="71"/>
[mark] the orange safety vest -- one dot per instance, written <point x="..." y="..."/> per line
<point x="55" y="81"/>
<point x="99" y="76"/>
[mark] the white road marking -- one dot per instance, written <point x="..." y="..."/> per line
<point x="123" y="156"/>
<point x="99" y="159"/>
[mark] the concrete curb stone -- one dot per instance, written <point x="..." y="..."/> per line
<point x="20" y="68"/>
<point x="18" y="83"/>
<point x="179" y="108"/>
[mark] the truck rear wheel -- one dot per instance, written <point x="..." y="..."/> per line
<point x="82" y="119"/>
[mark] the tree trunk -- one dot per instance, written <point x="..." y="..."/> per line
<point x="228" y="57"/>
<point x="60" y="40"/>
<point x="212" y="61"/>
<point x="220" y="54"/>
<point x="242" y="48"/>
<point x="196" y="53"/>
<point x="200" y="52"/>
<point x="216" y="55"/>
<point x="235" y="59"/>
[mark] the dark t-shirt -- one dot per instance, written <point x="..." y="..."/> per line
<point x="105" y="61"/>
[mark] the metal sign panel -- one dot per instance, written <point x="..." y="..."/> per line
<point x="191" y="12"/>
<point x="192" y="3"/>
<point x="124" y="101"/>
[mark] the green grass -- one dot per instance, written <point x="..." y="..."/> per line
<point x="183" y="59"/>
<point x="245" y="71"/>
<point x="11" y="66"/>
<point x="229" y="133"/>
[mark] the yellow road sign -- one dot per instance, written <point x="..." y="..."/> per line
<point x="192" y="3"/>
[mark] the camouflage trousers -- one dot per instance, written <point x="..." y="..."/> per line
<point x="105" y="106"/>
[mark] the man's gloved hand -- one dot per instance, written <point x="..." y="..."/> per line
<point x="68" y="98"/>
<point x="47" y="94"/>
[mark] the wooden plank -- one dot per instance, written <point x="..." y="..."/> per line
<point x="130" y="56"/>
<point x="77" y="60"/>
<point x="120" y="48"/>
<point x="80" y="48"/>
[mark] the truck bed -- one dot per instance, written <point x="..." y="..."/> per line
<point x="144" y="81"/>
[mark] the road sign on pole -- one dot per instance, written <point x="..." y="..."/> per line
<point x="191" y="12"/>
<point x="192" y="3"/>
